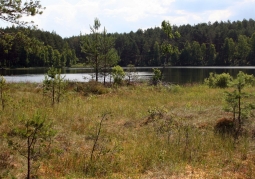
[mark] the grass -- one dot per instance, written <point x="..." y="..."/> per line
<point x="151" y="132"/>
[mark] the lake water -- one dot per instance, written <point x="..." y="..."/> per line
<point x="176" y="75"/>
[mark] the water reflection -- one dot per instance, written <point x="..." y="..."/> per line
<point x="79" y="77"/>
<point x="176" y="75"/>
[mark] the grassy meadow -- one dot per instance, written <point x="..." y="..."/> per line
<point x="135" y="131"/>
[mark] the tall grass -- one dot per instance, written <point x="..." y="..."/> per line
<point x="180" y="143"/>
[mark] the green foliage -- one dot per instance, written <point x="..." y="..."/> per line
<point x="235" y="101"/>
<point x="232" y="47"/>
<point x="32" y="138"/>
<point x="54" y="85"/>
<point x="231" y="102"/>
<point x="218" y="80"/>
<point x="157" y="76"/>
<point x="249" y="79"/>
<point x="12" y="11"/>
<point x="36" y="48"/>
<point x="109" y="55"/>
<point x="118" y="74"/>
<point x="90" y="45"/>
<point x="167" y="28"/>
<point x="167" y="49"/>
<point x="243" y="50"/>
<point x="99" y="50"/>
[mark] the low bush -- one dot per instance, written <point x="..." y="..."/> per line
<point x="157" y="76"/>
<point x="224" y="126"/>
<point x="218" y="80"/>
<point x="118" y="74"/>
<point x="249" y="79"/>
<point x="174" y="88"/>
<point x="93" y="87"/>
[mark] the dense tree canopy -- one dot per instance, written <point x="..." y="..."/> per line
<point x="204" y="44"/>
<point x="40" y="49"/>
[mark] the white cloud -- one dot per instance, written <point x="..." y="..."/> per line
<point x="219" y="15"/>
<point x="134" y="10"/>
<point x="70" y="17"/>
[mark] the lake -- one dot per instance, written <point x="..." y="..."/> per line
<point x="176" y="75"/>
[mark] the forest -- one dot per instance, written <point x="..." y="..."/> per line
<point x="205" y="44"/>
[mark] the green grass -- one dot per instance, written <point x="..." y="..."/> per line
<point x="177" y="144"/>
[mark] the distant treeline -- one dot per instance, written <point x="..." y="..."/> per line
<point x="35" y="48"/>
<point x="206" y="44"/>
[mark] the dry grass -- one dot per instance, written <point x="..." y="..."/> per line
<point x="180" y="143"/>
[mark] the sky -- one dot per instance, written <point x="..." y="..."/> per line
<point x="74" y="17"/>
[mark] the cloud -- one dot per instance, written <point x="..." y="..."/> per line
<point x="197" y="11"/>
<point x="219" y="15"/>
<point x="133" y="10"/>
<point x="243" y="10"/>
<point x="70" y="17"/>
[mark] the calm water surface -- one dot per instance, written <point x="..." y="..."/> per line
<point x="177" y="75"/>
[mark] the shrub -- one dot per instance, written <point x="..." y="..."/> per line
<point x="218" y="80"/>
<point x="157" y="76"/>
<point x="224" y="126"/>
<point x="118" y="74"/>
<point x="249" y="79"/>
<point x="95" y="87"/>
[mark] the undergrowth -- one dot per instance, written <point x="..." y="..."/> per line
<point x="151" y="132"/>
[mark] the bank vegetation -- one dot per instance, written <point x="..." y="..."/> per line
<point x="126" y="131"/>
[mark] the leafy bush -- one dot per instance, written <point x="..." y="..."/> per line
<point x="157" y="77"/>
<point x="118" y="74"/>
<point x="249" y="79"/>
<point x="218" y="80"/>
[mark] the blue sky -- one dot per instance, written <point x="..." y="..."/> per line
<point x="72" y="17"/>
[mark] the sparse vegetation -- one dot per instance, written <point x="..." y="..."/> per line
<point x="3" y="95"/>
<point x="131" y="73"/>
<point x="31" y="137"/>
<point x="54" y="85"/>
<point x="153" y="132"/>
